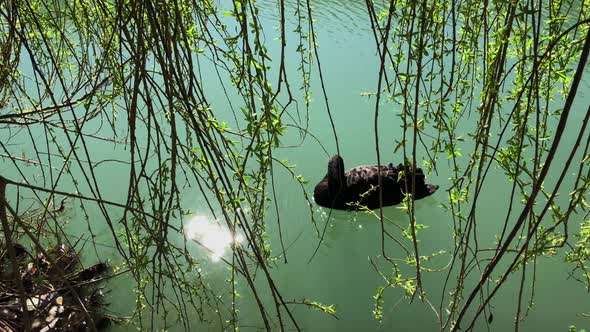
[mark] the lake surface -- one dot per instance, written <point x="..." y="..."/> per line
<point x="341" y="272"/>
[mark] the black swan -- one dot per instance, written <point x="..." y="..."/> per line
<point x="359" y="186"/>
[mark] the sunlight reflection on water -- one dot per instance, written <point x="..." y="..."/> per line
<point x="210" y="234"/>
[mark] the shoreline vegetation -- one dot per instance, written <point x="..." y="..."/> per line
<point x="60" y="294"/>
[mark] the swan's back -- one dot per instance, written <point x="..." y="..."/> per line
<point x="366" y="175"/>
<point x="362" y="185"/>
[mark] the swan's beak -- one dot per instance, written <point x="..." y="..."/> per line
<point x="431" y="188"/>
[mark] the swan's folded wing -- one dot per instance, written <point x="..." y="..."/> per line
<point x="361" y="179"/>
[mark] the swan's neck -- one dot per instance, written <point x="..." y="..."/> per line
<point x="336" y="178"/>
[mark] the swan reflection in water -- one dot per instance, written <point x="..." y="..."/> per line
<point x="210" y="234"/>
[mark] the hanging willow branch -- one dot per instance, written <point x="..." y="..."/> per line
<point x="137" y="76"/>
<point x="469" y="69"/>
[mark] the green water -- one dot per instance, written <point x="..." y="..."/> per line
<point x="341" y="273"/>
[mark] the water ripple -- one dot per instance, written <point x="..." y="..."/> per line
<point x="331" y="16"/>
